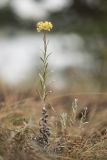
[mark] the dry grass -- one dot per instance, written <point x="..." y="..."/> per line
<point x="71" y="137"/>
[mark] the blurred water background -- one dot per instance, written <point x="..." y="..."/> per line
<point x="77" y="42"/>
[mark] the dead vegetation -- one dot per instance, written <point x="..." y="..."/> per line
<point x="71" y="131"/>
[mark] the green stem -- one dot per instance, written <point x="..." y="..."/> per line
<point x="45" y="65"/>
<point x="45" y="45"/>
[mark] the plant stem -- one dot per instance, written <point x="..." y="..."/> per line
<point x="45" y="68"/>
<point x="44" y="71"/>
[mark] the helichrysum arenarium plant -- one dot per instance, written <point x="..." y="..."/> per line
<point x="44" y="27"/>
<point x="44" y="134"/>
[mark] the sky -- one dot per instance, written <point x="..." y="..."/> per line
<point x="19" y="55"/>
<point x="31" y="9"/>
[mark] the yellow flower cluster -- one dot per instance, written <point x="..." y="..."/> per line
<point x="44" y="26"/>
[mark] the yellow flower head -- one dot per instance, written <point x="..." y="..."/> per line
<point x="44" y="26"/>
